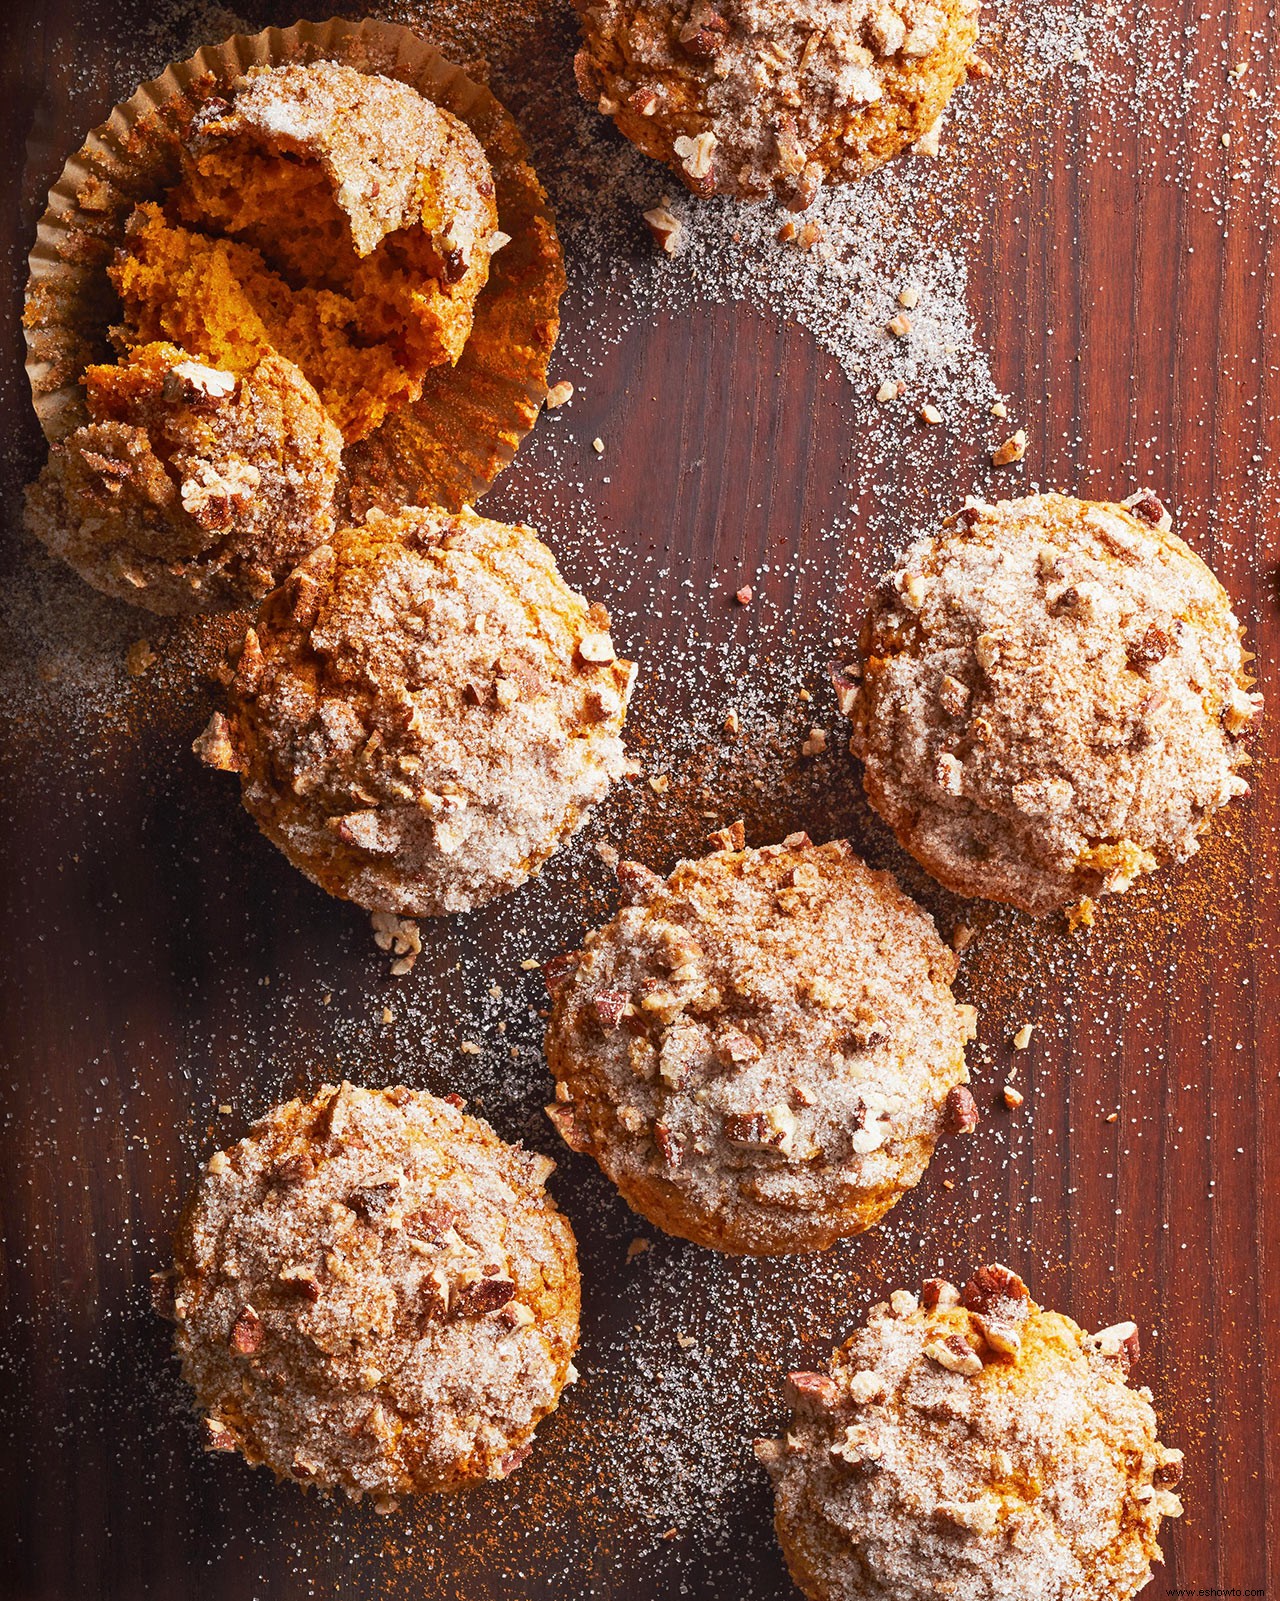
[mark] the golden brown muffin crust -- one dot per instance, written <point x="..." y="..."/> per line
<point x="424" y="712"/>
<point x="193" y="488"/>
<point x="973" y="1446"/>
<point x="1052" y="699"/>
<point x="745" y="97"/>
<point x="373" y="1293"/>
<point x="761" y="1051"/>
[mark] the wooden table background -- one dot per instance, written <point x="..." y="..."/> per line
<point x="160" y="960"/>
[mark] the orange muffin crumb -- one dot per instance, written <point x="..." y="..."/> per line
<point x="335" y="217"/>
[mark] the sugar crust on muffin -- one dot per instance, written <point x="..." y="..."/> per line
<point x="192" y="488"/>
<point x="424" y="712"/>
<point x="373" y="1293"/>
<point x="763" y="1049"/>
<point x="975" y="1446"/>
<point x="1051" y="700"/>
<point x="751" y="97"/>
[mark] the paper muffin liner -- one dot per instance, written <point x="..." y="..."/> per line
<point x="448" y="446"/>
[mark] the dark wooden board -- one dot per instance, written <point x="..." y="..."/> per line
<point x="160" y="960"/>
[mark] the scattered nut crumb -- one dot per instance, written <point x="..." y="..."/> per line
<point x="1112" y="1117"/>
<point x="665" y="229"/>
<point x="637" y="1247"/>
<point x="745" y="595"/>
<point x="558" y="395"/>
<point x="659" y="783"/>
<point x="1081" y="914"/>
<point x="1012" y="1098"/>
<point x="1023" y="1037"/>
<point x="899" y="325"/>
<point x="816" y="743"/>
<point x="731" y="721"/>
<point x="998" y="408"/>
<point x="138" y="658"/>
<point x="529" y="965"/>
<point x="469" y="1048"/>
<point x="909" y="296"/>
<point x="224" y="1111"/>
<point x="597" y="444"/>
<point x="979" y="67"/>
<point x="889" y="390"/>
<point x="686" y="1342"/>
<point x="929" y="413"/>
<point x="961" y="937"/>
<point x="1013" y="449"/>
<point x="388" y="1016"/>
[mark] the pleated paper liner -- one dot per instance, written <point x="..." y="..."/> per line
<point x="444" y="449"/>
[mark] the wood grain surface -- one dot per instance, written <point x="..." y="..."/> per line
<point x="161" y="961"/>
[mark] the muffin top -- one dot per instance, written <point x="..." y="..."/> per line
<point x="973" y="1446"/>
<point x="192" y="488"/>
<point x="1051" y="699"/>
<point x="393" y="159"/>
<point x="748" y="97"/>
<point x="374" y="1293"/>
<point x="761" y="1050"/>
<point x="335" y="217"/>
<point x="424" y="711"/>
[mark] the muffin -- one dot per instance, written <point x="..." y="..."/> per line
<point x="975" y="1447"/>
<point x="334" y="216"/>
<point x="762" y="1050"/>
<point x="1052" y="699"/>
<point x="374" y="1294"/>
<point x="192" y="488"/>
<point x="752" y="97"/>
<point x="424" y="712"/>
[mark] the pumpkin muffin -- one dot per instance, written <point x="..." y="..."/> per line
<point x="424" y="712"/>
<point x="334" y="216"/>
<point x="752" y="97"/>
<point x="976" y="1447"/>
<point x="192" y="489"/>
<point x="374" y="1294"/>
<point x="1052" y="699"/>
<point x="762" y="1050"/>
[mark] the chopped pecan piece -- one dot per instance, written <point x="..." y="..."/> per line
<point x="217" y="1436"/>
<point x="558" y="970"/>
<point x="373" y="1201"/>
<point x="732" y="837"/>
<point x="481" y="1296"/>
<point x="1150" y="508"/>
<point x="733" y="1047"/>
<point x="704" y="33"/>
<point x="566" y="1125"/>
<point x="301" y="1279"/>
<point x="811" y="1390"/>
<point x="609" y="1007"/>
<point x="773" y="1126"/>
<point x="1119" y="1343"/>
<point x="293" y="1169"/>
<point x="998" y="1299"/>
<point x="962" y="1110"/>
<point x="1152" y="647"/>
<point x="955" y="1354"/>
<point x="432" y="1222"/>
<point x="246" y="1333"/>
<point x="668" y="1146"/>
<point x="939" y="1294"/>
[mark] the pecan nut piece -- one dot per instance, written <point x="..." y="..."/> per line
<point x="481" y="1296"/>
<point x="962" y="1110"/>
<point x="558" y="970"/>
<point x="246" y="1333"/>
<point x="813" y="1390"/>
<point x="999" y="1300"/>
